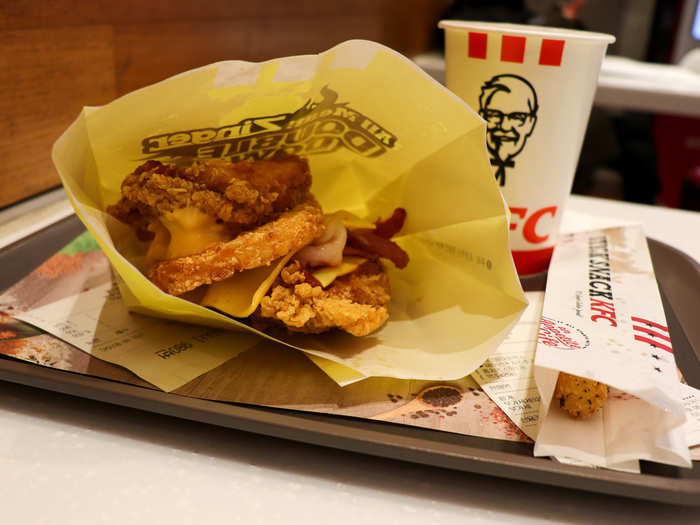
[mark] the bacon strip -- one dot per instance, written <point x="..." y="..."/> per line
<point x="367" y="240"/>
<point x="349" y="250"/>
<point x="378" y="241"/>
<point x="391" y="226"/>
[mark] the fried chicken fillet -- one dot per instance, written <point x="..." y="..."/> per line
<point x="240" y="195"/>
<point x="293" y="230"/>
<point x="211" y="222"/>
<point x="356" y="303"/>
<point x="212" y="219"/>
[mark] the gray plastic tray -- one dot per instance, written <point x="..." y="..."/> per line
<point x="679" y="280"/>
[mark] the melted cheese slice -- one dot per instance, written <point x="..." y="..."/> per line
<point x="158" y="249"/>
<point x="191" y="231"/>
<point x="241" y="294"/>
<point x="327" y="274"/>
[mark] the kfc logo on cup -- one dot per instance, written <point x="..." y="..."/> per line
<point x="508" y="104"/>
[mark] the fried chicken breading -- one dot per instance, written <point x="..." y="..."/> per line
<point x="136" y="215"/>
<point x="579" y="396"/>
<point x="242" y="195"/>
<point x="291" y="231"/>
<point x="356" y="303"/>
<point x="211" y="220"/>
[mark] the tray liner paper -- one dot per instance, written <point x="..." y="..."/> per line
<point x="603" y="319"/>
<point x="379" y="134"/>
<point x="73" y="296"/>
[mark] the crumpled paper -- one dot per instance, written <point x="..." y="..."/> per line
<point x="379" y="134"/>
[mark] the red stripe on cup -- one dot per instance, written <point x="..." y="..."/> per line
<point x="530" y="262"/>
<point x="551" y="52"/>
<point x="512" y="48"/>
<point x="477" y="45"/>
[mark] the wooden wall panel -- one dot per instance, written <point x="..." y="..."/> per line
<point x="149" y="53"/>
<point x="58" y="56"/>
<point x="46" y="77"/>
<point x="19" y="14"/>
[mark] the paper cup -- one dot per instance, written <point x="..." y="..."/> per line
<point x="534" y="87"/>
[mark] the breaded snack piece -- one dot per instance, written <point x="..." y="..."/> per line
<point x="356" y="303"/>
<point x="291" y="231"/>
<point x="579" y="396"/>
<point x="241" y="195"/>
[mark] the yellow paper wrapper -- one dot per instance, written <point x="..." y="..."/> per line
<point x="379" y="134"/>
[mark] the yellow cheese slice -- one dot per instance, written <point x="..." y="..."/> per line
<point x="158" y="249"/>
<point x="191" y="231"/>
<point x="327" y="274"/>
<point x="351" y="221"/>
<point x="241" y="294"/>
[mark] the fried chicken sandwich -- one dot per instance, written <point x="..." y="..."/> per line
<point x="250" y="240"/>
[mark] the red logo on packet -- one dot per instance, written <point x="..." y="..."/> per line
<point x="656" y="338"/>
<point x="561" y="335"/>
<point x="513" y="49"/>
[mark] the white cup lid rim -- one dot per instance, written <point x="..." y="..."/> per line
<point x="523" y="29"/>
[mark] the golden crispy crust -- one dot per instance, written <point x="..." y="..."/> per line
<point x="580" y="397"/>
<point x="356" y="303"/>
<point x="291" y="231"/>
<point x="242" y="195"/>
<point x="136" y="215"/>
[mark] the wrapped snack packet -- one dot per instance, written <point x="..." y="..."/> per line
<point x="379" y="134"/>
<point x="603" y="323"/>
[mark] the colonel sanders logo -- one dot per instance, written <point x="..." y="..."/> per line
<point x="508" y="104"/>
